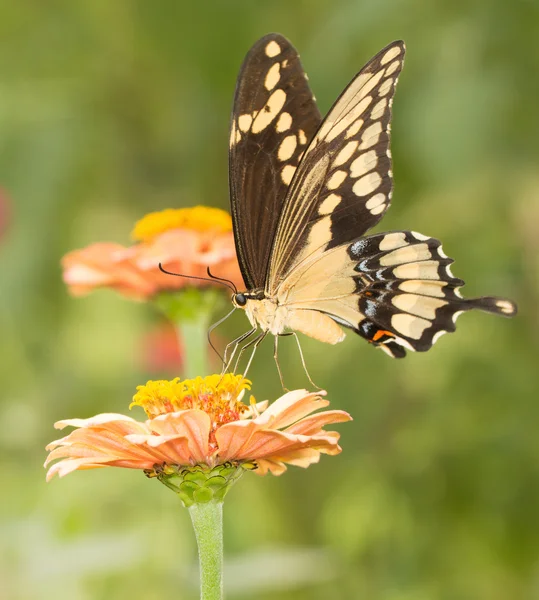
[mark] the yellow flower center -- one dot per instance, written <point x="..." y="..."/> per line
<point x="216" y="395"/>
<point x="198" y="218"/>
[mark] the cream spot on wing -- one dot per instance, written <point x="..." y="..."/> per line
<point x="367" y="184"/>
<point x="441" y="253"/>
<point x="244" y="122"/>
<point x="505" y="306"/>
<point x="270" y="111"/>
<point x="344" y="122"/>
<point x="302" y="137"/>
<point x="329" y="204"/>
<point x="406" y="254"/>
<point x="272" y="49"/>
<point x="448" y="271"/>
<point x="378" y="209"/>
<point x="427" y="269"/>
<point x="422" y="306"/>
<point x="284" y="64"/>
<point x="284" y="122"/>
<point x="363" y="163"/>
<point x="390" y="241"/>
<point x="326" y="126"/>
<point x="287" y="173"/>
<point x="420" y="236"/>
<point x="233" y="134"/>
<point x="412" y="327"/>
<point x="426" y="288"/>
<point x="437" y="336"/>
<point x="345" y="154"/>
<point x="392" y="67"/>
<point x="457" y="315"/>
<point x="287" y="147"/>
<point x="371" y="135"/>
<point x="379" y="109"/>
<point x="354" y="128"/>
<point x="390" y="55"/>
<point x="375" y="201"/>
<point x="320" y="233"/>
<point x="273" y="76"/>
<point x="336" y="179"/>
<point x="385" y="87"/>
<point x="372" y="82"/>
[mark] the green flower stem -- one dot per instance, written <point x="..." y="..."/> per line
<point x="207" y="518"/>
<point x="192" y="335"/>
<point x="191" y="310"/>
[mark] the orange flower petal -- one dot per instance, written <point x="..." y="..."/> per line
<point x="134" y="271"/>
<point x="185" y="438"/>
<point x="313" y="424"/>
<point x="193" y="424"/>
<point x="291" y="407"/>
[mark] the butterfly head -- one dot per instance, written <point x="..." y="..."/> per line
<point x="239" y="300"/>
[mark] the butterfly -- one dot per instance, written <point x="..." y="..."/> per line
<point x="304" y="191"/>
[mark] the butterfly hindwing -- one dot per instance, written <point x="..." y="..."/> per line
<point x="274" y="117"/>
<point x="407" y="296"/>
<point x="343" y="184"/>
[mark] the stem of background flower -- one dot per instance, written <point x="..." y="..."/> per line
<point x="207" y="521"/>
<point x="192" y="337"/>
<point x="191" y="310"/>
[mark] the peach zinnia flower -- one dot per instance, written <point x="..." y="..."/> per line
<point x="184" y="240"/>
<point x="201" y="423"/>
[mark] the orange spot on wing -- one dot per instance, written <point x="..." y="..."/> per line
<point x="380" y="333"/>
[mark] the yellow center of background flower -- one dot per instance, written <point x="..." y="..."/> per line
<point x="197" y="218"/>
<point x="217" y="395"/>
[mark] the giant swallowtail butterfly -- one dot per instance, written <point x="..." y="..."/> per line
<point x="304" y="191"/>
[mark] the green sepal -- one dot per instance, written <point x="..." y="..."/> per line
<point x="200" y="484"/>
<point x="190" y="303"/>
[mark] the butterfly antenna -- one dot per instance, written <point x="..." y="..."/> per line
<point x="230" y="284"/>
<point x="224" y="282"/>
<point x="214" y="326"/>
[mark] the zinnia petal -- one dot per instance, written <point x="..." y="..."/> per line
<point x="200" y="423"/>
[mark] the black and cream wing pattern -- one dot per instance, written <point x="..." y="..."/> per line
<point x="395" y="289"/>
<point x="273" y="117"/>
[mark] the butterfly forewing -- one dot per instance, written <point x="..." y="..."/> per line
<point x="274" y="117"/>
<point x="343" y="184"/>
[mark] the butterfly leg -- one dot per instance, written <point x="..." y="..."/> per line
<point x="254" y="342"/>
<point x="303" y="361"/>
<point x="276" y="358"/>
<point x="235" y="343"/>
<point x="257" y="342"/>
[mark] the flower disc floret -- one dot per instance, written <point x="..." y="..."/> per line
<point x="197" y="218"/>
<point x="219" y="396"/>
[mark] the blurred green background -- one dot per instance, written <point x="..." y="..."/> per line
<point x="109" y="110"/>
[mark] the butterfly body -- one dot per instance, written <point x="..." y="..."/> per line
<point x="305" y="191"/>
<point x="270" y="316"/>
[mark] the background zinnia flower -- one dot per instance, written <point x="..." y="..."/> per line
<point x="185" y="240"/>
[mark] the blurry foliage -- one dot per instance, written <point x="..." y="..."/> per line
<point x="112" y="109"/>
